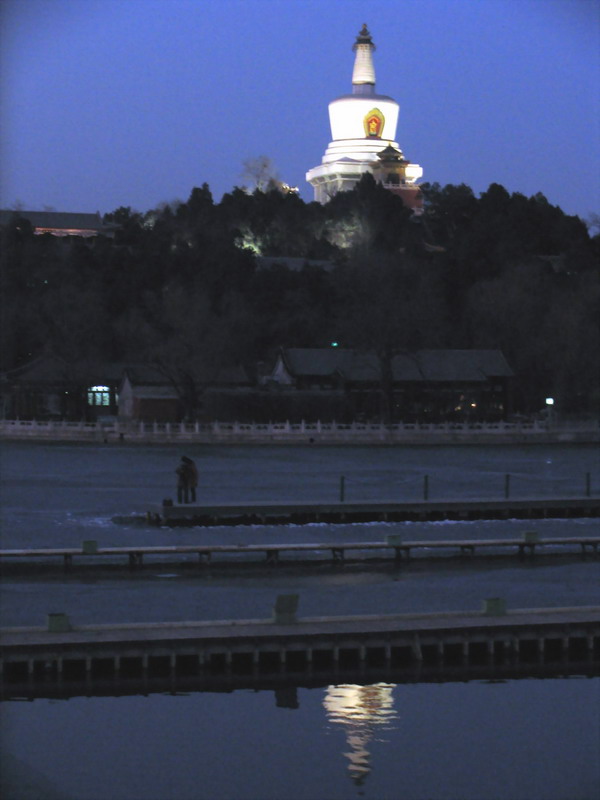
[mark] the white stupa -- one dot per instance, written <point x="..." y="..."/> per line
<point x="363" y="126"/>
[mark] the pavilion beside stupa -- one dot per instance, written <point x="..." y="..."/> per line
<point x="363" y="129"/>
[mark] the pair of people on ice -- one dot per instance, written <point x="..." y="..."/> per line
<point x="187" y="481"/>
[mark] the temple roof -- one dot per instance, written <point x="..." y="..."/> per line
<point x="58" y="221"/>
<point x="436" y="366"/>
<point x="391" y="153"/>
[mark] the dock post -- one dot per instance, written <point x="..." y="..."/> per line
<point x="530" y="539"/>
<point x="440" y="651"/>
<point x="395" y="540"/>
<point x="58" y="623"/>
<point x="465" y="650"/>
<point x="541" y="648"/>
<point x="416" y="649"/>
<point x="494" y="607"/>
<point x="342" y="488"/>
<point x="135" y="559"/>
<point x="590" y="644"/>
<point x="285" y="609"/>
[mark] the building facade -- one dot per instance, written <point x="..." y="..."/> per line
<point x="363" y="128"/>
<point x="60" y="223"/>
<point x="426" y="385"/>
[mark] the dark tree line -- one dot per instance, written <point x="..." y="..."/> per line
<point x="183" y="287"/>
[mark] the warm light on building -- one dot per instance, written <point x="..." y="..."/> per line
<point x="363" y="127"/>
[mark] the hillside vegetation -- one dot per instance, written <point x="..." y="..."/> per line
<point x="187" y="286"/>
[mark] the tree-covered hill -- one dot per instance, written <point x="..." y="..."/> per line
<point x="189" y="286"/>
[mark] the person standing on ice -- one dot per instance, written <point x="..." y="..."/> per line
<point x="187" y="480"/>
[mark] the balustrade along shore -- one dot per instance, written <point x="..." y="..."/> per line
<point x="305" y="433"/>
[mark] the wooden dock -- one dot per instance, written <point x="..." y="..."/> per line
<point x="296" y="647"/>
<point x="306" y="553"/>
<point x="159" y="679"/>
<point x="380" y="511"/>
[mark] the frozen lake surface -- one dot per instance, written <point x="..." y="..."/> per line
<point x="512" y="740"/>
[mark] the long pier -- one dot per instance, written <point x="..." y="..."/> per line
<point x="392" y="548"/>
<point x="157" y="679"/>
<point x="295" y="647"/>
<point x="379" y="511"/>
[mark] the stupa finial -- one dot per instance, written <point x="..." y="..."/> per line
<point x="364" y="37"/>
<point x="363" y="74"/>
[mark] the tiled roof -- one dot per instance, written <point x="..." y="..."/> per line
<point x="142" y="374"/>
<point x="58" y="220"/>
<point x="463" y="365"/>
<point x="51" y="369"/>
<point x="424" y="365"/>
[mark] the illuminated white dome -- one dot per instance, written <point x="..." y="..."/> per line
<point x="349" y="118"/>
<point x="362" y="125"/>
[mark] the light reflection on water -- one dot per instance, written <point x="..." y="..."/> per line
<point x="532" y="738"/>
<point x="361" y="710"/>
<point x="475" y="740"/>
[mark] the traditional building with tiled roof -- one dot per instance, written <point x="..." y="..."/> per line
<point x="60" y="223"/>
<point x="426" y="384"/>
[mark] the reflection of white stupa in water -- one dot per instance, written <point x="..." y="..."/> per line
<point x="361" y="709"/>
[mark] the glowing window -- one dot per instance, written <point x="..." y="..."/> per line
<point x="98" y="396"/>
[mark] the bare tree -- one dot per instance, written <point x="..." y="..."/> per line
<point x="260" y="173"/>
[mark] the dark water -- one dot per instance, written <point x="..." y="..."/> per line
<point x="526" y="739"/>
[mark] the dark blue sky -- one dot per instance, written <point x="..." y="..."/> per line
<point x="134" y="102"/>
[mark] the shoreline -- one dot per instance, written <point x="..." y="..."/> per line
<point x="231" y="435"/>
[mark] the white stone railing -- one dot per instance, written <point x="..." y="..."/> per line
<point x="239" y="432"/>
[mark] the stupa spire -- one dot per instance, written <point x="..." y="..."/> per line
<point x="363" y="75"/>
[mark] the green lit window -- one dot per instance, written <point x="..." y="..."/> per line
<point x="99" y="396"/>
